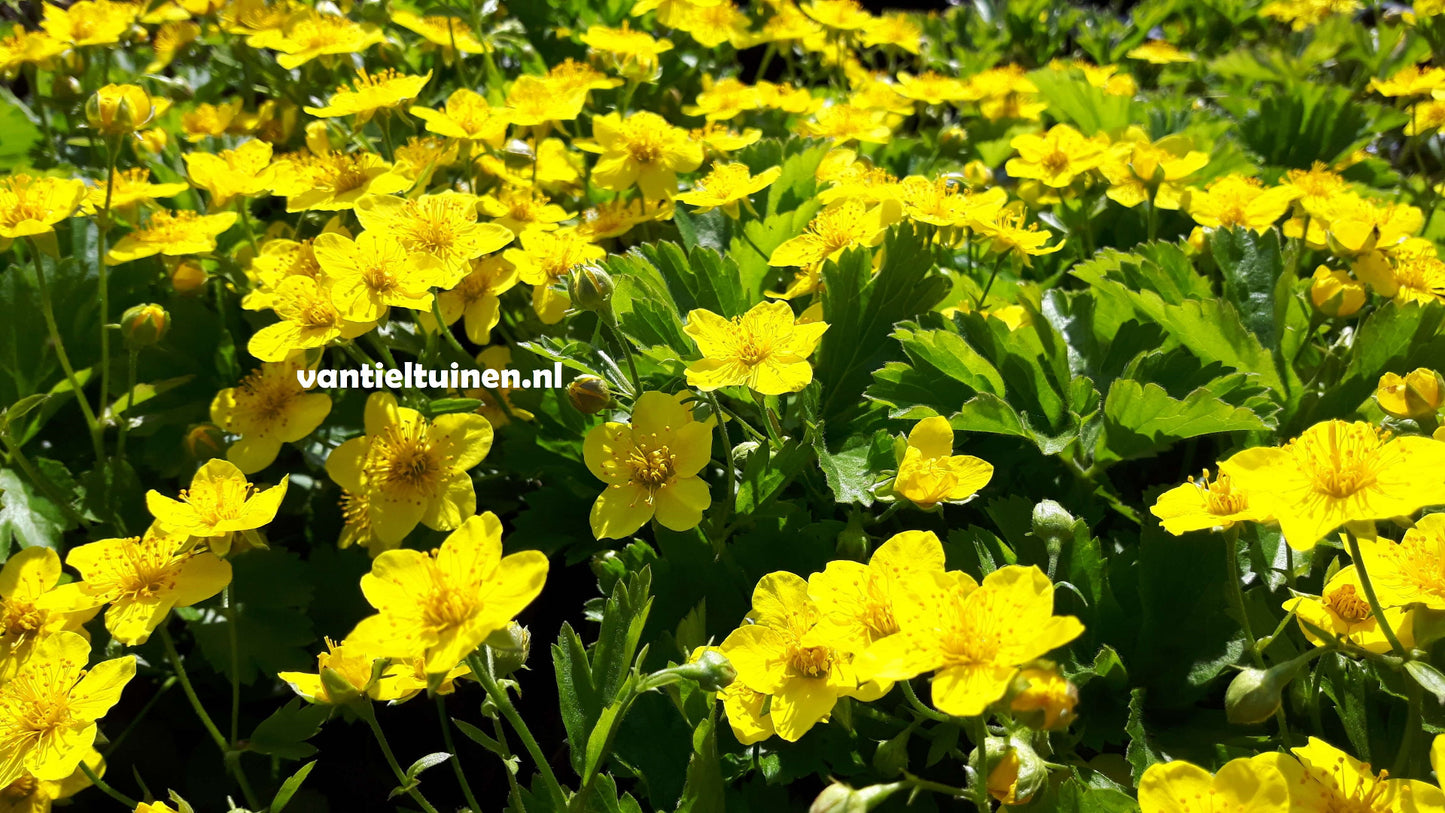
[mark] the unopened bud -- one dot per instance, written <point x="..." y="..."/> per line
<point x="840" y="798"/>
<point x="152" y="142"/>
<point x="1335" y="293"/>
<point x="589" y="394"/>
<point x="977" y="173"/>
<point x="510" y="647"/>
<point x="1044" y="699"/>
<point x="205" y="441"/>
<point x="188" y="277"/>
<point x="144" y="325"/>
<point x="590" y="288"/>
<point x="853" y="540"/>
<point x="712" y="671"/>
<point x="1018" y="774"/>
<point x="1053" y="524"/>
<point x="119" y="109"/>
<point x="1418" y="394"/>
<point x="1253" y="696"/>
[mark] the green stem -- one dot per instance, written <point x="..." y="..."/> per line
<point x="1413" y="726"/>
<point x="245" y="212"/>
<point x="980" y="782"/>
<point x="921" y="707"/>
<point x="504" y="705"/>
<point x="993" y="275"/>
<point x="456" y="759"/>
<point x="1354" y="547"/>
<point x="111" y="746"/>
<point x="937" y="787"/>
<point x="610" y="320"/>
<point x="47" y="310"/>
<point x="729" y="470"/>
<point x="185" y="679"/>
<point x="107" y="789"/>
<point x="445" y="329"/>
<point x="112" y="151"/>
<point x="228" y="605"/>
<point x="368" y="714"/>
<point x="129" y="401"/>
<point x="1236" y="592"/>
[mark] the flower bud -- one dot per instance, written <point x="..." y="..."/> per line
<point x="151" y="142"/>
<point x="1416" y="395"/>
<point x="188" y="277"/>
<point x="205" y="441"/>
<point x="853" y="540"/>
<point x="144" y="325"/>
<point x="712" y="671"/>
<point x="589" y="394"/>
<point x="1335" y="293"/>
<point x="1053" y="524"/>
<point x="1253" y="696"/>
<point x="510" y="647"/>
<point x="977" y="173"/>
<point x="590" y="287"/>
<point x="119" y="109"/>
<point x="1044" y="698"/>
<point x="1016" y="772"/>
<point x="839" y="798"/>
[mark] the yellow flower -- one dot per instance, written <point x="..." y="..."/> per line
<point x="1411" y="272"/>
<point x="723" y="99"/>
<point x="930" y="473"/>
<point x="1342" y="610"/>
<point x="172" y="234"/>
<point x="1321" y="778"/>
<point x="1425" y="117"/>
<point x="856" y="601"/>
<point x="650" y="467"/>
<point x="1201" y="505"/>
<point x="1048" y="693"/>
<point x="553" y="168"/>
<point x="334" y="181"/>
<point x="1335" y="293"/>
<point x="846" y="122"/>
<point x="90" y="22"/>
<point x="832" y="231"/>
<point x="344" y="672"/>
<point x="209" y="120"/>
<point x="412" y="470"/>
<point x="1416" y="395"/>
<point x="220" y="502"/>
<point x="522" y="209"/>
<point x="30" y="795"/>
<point x="309" y="319"/>
<point x="1236" y="200"/>
<point x="442" y="225"/>
<point x="946" y="204"/>
<point x="1338" y="472"/>
<point x="373" y="273"/>
<point x="442" y="605"/>
<point x="497" y="357"/>
<point x="370" y="93"/>
<point x="616" y="217"/>
<point x="1007" y="232"/>
<point x="631" y="53"/>
<point x="31" y="608"/>
<point x="743" y="706"/>
<point x="1303" y="14"/>
<point x="170" y="40"/>
<point x="23" y="47"/>
<point x="1411" y="571"/>
<point x="727" y="185"/>
<point x="1057" y="157"/>
<point x="120" y="109"/>
<point x="773" y="658"/>
<point x="765" y="349"/>
<point x="533" y="101"/>
<point x="131" y="187"/>
<point x="466" y="116"/>
<point x="143" y="577"/>
<point x="244" y="171"/>
<point x="1357" y="225"/>
<point x="49" y="709"/>
<point x="30" y="207"/>
<point x="932" y="88"/>
<point x="1242" y="785"/>
<point x="419" y="157"/>
<point x="1159" y="52"/>
<point x="1411" y="80"/>
<point x="476" y="299"/>
<point x="1138" y="166"/>
<point x="642" y="150"/>
<point x="450" y="34"/>
<point x="310" y="34"/>
<point x="894" y="29"/>
<point x="543" y="262"/>
<point x="839" y="15"/>
<point x="976" y="636"/>
<point x="267" y="409"/>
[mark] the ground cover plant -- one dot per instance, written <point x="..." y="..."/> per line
<point x="1014" y="405"/>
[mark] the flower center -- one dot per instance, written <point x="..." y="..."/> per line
<point x="218" y="501"/>
<point x="652" y="468"/>
<point x="1348" y="604"/>
<point x="1056" y="161"/>
<point x="1340" y="460"/>
<point x="266" y="396"/>
<point x="403" y="457"/>
<point x="811" y="661"/>
<point x="1219" y="496"/>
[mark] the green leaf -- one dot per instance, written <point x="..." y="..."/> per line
<point x="1395" y="337"/>
<point x="1142" y="419"/>
<point x="644" y="305"/>
<point x="285" y="732"/>
<point x="702" y="278"/>
<point x="1429" y="678"/>
<point x="1074" y="100"/>
<point x="623" y="617"/>
<point x="428" y="761"/>
<point x="600" y="739"/>
<point x="766" y="472"/>
<point x="289" y="788"/>
<point x="989" y="413"/>
<point x="945" y="371"/>
<point x="850" y="470"/>
<point x="1141" y="753"/>
<point x="21" y="136"/>
<point x="702" y="791"/>
<point x="1252" y="265"/>
<point x="27" y="518"/>
<point x="579" y="705"/>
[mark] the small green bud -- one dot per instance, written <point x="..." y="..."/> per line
<point x="510" y="647"/>
<point x="853" y="540"/>
<point x="589" y="394"/>
<point x="840" y="798"/>
<point x="590" y="287"/>
<point x="144" y="325"/>
<point x="1254" y="695"/>
<point x="1053" y="524"/>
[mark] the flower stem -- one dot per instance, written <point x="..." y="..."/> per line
<point x="920" y="706"/>
<point x="729" y="470"/>
<point x="1413" y="725"/>
<point x="1236" y="592"/>
<point x="228" y="604"/>
<point x="129" y="401"/>
<point x="503" y="703"/>
<point x="228" y="755"/>
<point x="101" y="785"/>
<point x="112" y="149"/>
<point x="47" y="310"/>
<point x="610" y="320"/>
<point x="368" y="714"/>
<point x="980" y="780"/>
<point x="456" y="758"/>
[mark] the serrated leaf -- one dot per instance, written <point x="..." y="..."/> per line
<point x="1252" y="264"/>
<point x="27" y="518"/>
<point x="285" y="732"/>
<point x="1142" y="419"/>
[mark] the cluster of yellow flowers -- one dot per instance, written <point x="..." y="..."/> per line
<point x="853" y="630"/>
